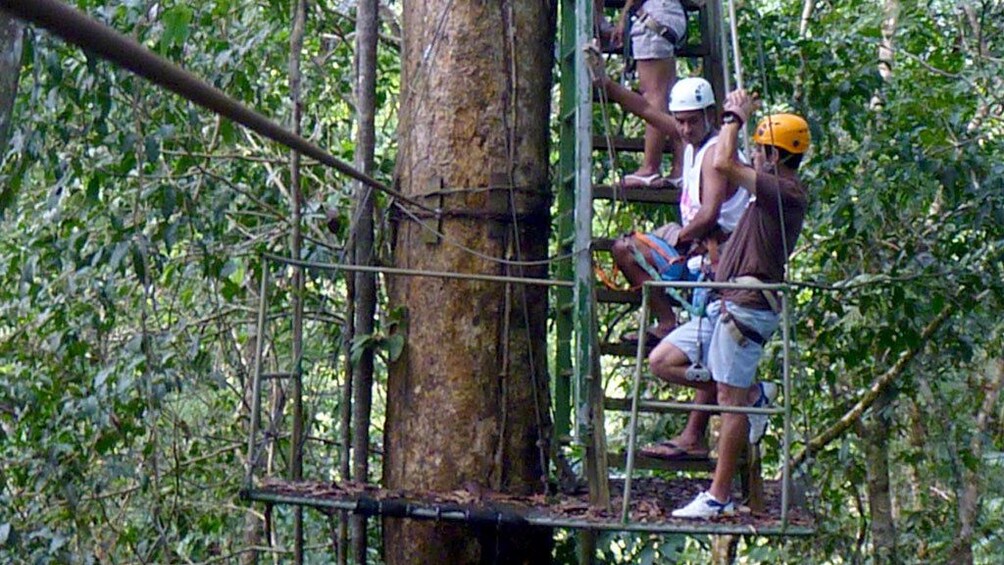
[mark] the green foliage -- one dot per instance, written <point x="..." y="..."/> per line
<point x="133" y="224"/>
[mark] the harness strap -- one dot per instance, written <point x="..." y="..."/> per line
<point x="639" y="257"/>
<point x="659" y="29"/>
<point x="768" y="295"/>
<point x="647" y="240"/>
<point x="739" y="330"/>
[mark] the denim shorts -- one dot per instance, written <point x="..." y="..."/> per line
<point x="731" y="361"/>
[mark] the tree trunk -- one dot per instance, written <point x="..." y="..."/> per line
<point x="299" y="16"/>
<point x="876" y="445"/>
<point x="973" y="481"/>
<point x="365" y="283"/>
<point x="11" y="40"/>
<point x="466" y="399"/>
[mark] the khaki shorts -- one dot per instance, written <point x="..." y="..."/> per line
<point x="731" y="362"/>
<point x="647" y="44"/>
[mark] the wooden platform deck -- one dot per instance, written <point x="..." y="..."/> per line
<point x="651" y="503"/>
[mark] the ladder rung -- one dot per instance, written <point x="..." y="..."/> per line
<point x="688" y="51"/>
<point x="646" y="195"/>
<point x="621" y="143"/>
<point x="622" y="349"/>
<point x="603" y="244"/>
<point x="619" y="460"/>
<point x="664" y="407"/>
<point x="618" y="296"/>
<point x="688" y="5"/>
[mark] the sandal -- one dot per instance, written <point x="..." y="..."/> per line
<point x="669" y="451"/>
<point x="653" y="336"/>
<point x="641" y="181"/>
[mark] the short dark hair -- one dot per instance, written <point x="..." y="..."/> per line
<point x="787" y="158"/>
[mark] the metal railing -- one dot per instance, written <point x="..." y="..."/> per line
<point x="636" y="402"/>
<point x="259" y="375"/>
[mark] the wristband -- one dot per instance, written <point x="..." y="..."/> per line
<point x="729" y="117"/>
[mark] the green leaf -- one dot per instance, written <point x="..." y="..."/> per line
<point x="395" y="345"/>
<point x="176" y="27"/>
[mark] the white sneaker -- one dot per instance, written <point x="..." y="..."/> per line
<point x="758" y="422"/>
<point x="705" y="506"/>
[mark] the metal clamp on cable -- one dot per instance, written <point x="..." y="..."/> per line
<point x="698" y="373"/>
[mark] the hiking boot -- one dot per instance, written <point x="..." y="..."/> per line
<point x="705" y="506"/>
<point x="758" y="422"/>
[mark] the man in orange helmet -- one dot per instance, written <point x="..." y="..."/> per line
<point x="729" y="341"/>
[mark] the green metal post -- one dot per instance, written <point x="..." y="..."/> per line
<point x="575" y="23"/>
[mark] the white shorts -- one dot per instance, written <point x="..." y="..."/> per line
<point x="647" y="44"/>
<point x="730" y="361"/>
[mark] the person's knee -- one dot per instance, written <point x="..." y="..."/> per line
<point x="665" y="357"/>
<point x="729" y="395"/>
<point x="621" y="251"/>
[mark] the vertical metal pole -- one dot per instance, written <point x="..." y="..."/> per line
<point x="583" y="292"/>
<point x="256" y="379"/>
<point x="635" y="391"/>
<point x="785" y="472"/>
<point x="564" y="364"/>
<point x="736" y="54"/>
<point x="726" y="79"/>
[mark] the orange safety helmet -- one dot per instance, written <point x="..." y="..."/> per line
<point x="787" y="131"/>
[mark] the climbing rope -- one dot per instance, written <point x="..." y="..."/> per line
<point x="792" y="340"/>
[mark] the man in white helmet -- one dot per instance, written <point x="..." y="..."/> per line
<point x="710" y="206"/>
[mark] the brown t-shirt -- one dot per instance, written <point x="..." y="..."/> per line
<point x="756" y="248"/>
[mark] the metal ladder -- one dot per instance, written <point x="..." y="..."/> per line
<point x="578" y="380"/>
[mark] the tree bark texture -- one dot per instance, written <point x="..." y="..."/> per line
<point x="876" y="445"/>
<point x="467" y="399"/>
<point x="365" y="283"/>
<point x="11" y="42"/>
<point x="972" y="482"/>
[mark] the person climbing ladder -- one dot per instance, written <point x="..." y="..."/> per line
<point x="710" y="205"/>
<point x="656" y="29"/>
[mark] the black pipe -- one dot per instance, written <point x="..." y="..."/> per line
<point x="89" y="34"/>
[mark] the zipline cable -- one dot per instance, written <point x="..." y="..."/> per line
<point x="91" y="35"/>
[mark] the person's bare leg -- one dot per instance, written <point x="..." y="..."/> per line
<point x="659" y="303"/>
<point x="670" y="364"/>
<point x="731" y="438"/>
<point x="654" y="79"/>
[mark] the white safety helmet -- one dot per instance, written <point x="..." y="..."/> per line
<point x="692" y="93"/>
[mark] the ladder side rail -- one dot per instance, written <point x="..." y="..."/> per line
<point x="786" y="447"/>
<point x="565" y="199"/>
<point x="583" y="291"/>
<point x="635" y="392"/>
<point x="252" y="456"/>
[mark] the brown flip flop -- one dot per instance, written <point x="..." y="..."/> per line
<point x="669" y="451"/>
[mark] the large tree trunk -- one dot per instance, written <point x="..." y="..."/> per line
<point x="466" y="397"/>
<point x="11" y="34"/>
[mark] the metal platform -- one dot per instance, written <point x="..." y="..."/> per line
<point x="652" y="500"/>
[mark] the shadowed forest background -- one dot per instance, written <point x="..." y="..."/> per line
<point x="133" y="225"/>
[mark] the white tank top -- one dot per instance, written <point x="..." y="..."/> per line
<point x="690" y="195"/>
